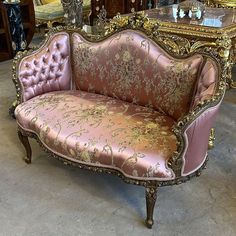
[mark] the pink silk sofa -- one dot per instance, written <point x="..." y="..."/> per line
<point x="124" y="104"/>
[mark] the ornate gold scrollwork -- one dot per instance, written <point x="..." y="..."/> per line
<point x="224" y="45"/>
<point x="200" y="44"/>
<point x="135" y="21"/>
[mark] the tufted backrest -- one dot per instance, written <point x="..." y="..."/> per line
<point x="132" y="67"/>
<point x="47" y="69"/>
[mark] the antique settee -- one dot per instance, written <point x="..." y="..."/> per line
<point x="134" y="102"/>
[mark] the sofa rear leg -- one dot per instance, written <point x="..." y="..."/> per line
<point x="25" y="141"/>
<point x="151" y="196"/>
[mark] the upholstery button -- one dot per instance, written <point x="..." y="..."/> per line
<point x="53" y="57"/>
<point x="58" y="46"/>
<point x="60" y="67"/>
<point x="27" y="65"/>
<point x="51" y="68"/>
<point x="57" y="76"/>
<point x="62" y="56"/>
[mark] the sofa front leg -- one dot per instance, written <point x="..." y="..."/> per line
<point x="25" y="141"/>
<point x="151" y="196"/>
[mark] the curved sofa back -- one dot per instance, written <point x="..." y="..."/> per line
<point x="130" y="66"/>
<point x="127" y="65"/>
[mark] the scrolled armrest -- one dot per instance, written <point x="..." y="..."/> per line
<point x="193" y="130"/>
<point x="196" y="137"/>
<point x="46" y="69"/>
<point x="193" y="133"/>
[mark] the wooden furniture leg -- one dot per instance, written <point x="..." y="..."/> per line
<point x="151" y="196"/>
<point x="25" y="141"/>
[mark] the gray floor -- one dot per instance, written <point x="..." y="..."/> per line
<point x="48" y="198"/>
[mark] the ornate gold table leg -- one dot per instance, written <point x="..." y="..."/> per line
<point x="25" y="141"/>
<point x="231" y="82"/>
<point x="224" y="49"/>
<point x="212" y="138"/>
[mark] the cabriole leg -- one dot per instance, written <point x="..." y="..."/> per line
<point x="25" y="141"/>
<point x="151" y="196"/>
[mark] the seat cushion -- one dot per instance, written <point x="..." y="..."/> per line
<point x="102" y="131"/>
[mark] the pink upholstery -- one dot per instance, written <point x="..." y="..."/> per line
<point x="130" y="128"/>
<point x="207" y="82"/>
<point x="131" y="67"/>
<point x="102" y="131"/>
<point x="47" y="69"/>
<point x="197" y="137"/>
<point x="197" y="134"/>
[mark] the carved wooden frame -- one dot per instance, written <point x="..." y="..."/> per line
<point x="178" y="47"/>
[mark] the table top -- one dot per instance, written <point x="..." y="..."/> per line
<point x="213" y="17"/>
<point x="214" y="23"/>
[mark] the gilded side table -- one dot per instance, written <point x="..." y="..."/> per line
<point x="216" y="27"/>
<point x="221" y="3"/>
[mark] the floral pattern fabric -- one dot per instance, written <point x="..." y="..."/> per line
<point x="133" y="68"/>
<point x="103" y="131"/>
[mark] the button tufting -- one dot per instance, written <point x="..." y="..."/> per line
<point x="51" y="68"/>
<point x="60" y="67"/>
<point x="43" y="71"/>
<point x="34" y="72"/>
<point x="44" y="60"/>
<point x="58" y="46"/>
<point x="53" y="57"/>
<point x="27" y="65"/>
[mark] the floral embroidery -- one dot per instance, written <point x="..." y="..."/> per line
<point x="97" y="129"/>
<point x="131" y="67"/>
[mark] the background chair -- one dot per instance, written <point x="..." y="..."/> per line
<point x="48" y="12"/>
<point x="52" y="11"/>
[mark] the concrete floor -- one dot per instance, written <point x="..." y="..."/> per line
<point x="48" y="198"/>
